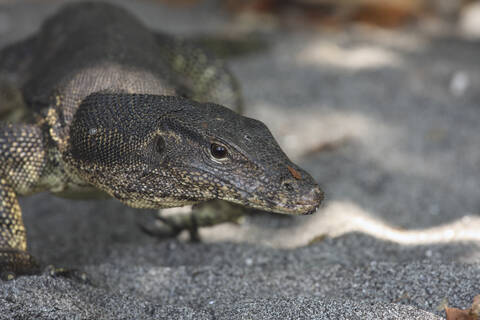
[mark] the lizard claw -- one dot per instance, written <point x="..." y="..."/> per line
<point x="14" y="263"/>
<point x="8" y="275"/>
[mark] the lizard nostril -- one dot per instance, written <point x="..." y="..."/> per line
<point x="288" y="186"/>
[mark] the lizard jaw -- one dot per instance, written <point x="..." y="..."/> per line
<point x="306" y="205"/>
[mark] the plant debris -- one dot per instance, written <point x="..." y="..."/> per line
<point x="295" y="173"/>
<point x="470" y="314"/>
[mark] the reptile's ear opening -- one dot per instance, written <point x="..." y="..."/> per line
<point x="160" y="144"/>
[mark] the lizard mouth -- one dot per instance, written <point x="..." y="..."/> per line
<point x="306" y="205"/>
<point x="296" y="208"/>
<point x="302" y="204"/>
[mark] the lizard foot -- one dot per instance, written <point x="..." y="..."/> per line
<point x="72" y="274"/>
<point x="12" y="105"/>
<point x="165" y="227"/>
<point x="170" y="222"/>
<point x="14" y="263"/>
<point x="161" y="227"/>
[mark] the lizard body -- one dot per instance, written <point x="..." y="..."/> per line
<point x="117" y="109"/>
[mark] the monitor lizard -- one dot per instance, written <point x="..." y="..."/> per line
<point x="115" y="109"/>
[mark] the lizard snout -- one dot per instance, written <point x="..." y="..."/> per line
<point x="315" y="196"/>
<point x="312" y="199"/>
<point x="300" y="192"/>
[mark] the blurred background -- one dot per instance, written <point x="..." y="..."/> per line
<point x="378" y="99"/>
<point x="333" y="15"/>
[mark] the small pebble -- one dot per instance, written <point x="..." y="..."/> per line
<point x="459" y="83"/>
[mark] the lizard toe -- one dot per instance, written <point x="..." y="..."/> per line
<point x="161" y="228"/>
<point x="68" y="273"/>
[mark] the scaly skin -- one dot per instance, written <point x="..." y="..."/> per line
<point x="117" y="109"/>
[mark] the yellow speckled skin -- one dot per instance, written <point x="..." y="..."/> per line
<point x="119" y="110"/>
<point x="13" y="236"/>
<point x="22" y="159"/>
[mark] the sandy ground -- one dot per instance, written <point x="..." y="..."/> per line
<point x="397" y="238"/>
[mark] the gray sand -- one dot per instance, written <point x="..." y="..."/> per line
<point x="397" y="238"/>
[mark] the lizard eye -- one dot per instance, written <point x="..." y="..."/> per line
<point x="218" y="151"/>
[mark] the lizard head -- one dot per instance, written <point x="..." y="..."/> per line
<point x="160" y="151"/>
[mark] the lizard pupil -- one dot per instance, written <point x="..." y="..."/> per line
<point x="218" y="151"/>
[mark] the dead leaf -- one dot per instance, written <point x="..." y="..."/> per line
<point x="471" y="314"/>
<point x="384" y="14"/>
<point x="334" y="13"/>
<point x="476" y="306"/>
<point x="458" y="314"/>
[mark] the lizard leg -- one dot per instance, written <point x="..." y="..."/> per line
<point x="203" y="77"/>
<point x="16" y="60"/>
<point x="14" y="259"/>
<point x="202" y="215"/>
<point x="15" y="65"/>
<point x="12" y="105"/>
<point x="22" y="161"/>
